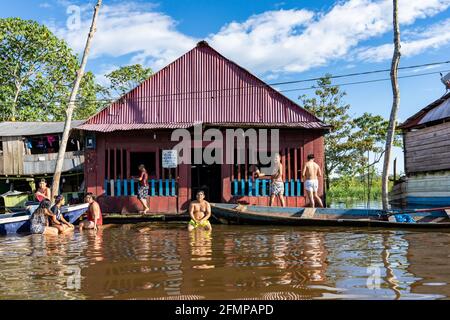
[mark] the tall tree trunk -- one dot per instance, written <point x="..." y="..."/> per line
<point x="395" y="105"/>
<point x="71" y="105"/>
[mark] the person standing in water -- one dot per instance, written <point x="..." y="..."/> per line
<point x="94" y="214"/>
<point x="200" y="212"/>
<point x="143" y="188"/>
<point x="277" y="184"/>
<point x="310" y="176"/>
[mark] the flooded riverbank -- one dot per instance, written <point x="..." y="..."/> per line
<point x="164" y="261"/>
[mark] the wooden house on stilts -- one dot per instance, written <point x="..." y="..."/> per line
<point x="201" y="87"/>
<point x="426" y="138"/>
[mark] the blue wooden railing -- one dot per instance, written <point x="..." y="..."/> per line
<point x="157" y="188"/>
<point x="261" y="188"/>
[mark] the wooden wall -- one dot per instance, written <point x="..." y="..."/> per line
<point x="307" y="141"/>
<point x="46" y="163"/>
<point x="14" y="161"/>
<point x="428" y="149"/>
<point x="13" y="153"/>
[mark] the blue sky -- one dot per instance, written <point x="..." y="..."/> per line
<point x="276" y="40"/>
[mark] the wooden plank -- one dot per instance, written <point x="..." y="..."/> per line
<point x="296" y="164"/>
<point x="115" y="164"/>
<point x="427" y="154"/>
<point x="427" y="168"/>
<point x="442" y="128"/>
<point x="128" y="164"/>
<point x="429" y="163"/>
<point x="424" y="141"/>
<point x="108" y="162"/>
<point x="289" y="169"/>
<point x="121" y="173"/>
<point x="246" y="162"/>
<point x="437" y="144"/>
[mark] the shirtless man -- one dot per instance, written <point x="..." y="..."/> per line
<point x="277" y="184"/>
<point x="200" y="212"/>
<point x="94" y="214"/>
<point x="310" y="175"/>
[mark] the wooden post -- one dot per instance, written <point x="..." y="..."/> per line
<point x="395" y="170"/>
<point x="395" y="105"/>
<point x="71" y="105"/>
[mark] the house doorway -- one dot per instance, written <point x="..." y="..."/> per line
<point x="207" y="178"/>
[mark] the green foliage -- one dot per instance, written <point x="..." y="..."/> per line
<point x="37" y="73"/>
<point x="354" y="145"/>
<point x="126" y="79"/>
<point x="328" y="106"/>
<point x="354" y="188"/>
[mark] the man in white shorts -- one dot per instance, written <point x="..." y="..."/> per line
<point x="310" y="175"/>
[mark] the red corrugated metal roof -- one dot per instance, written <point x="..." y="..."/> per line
<point x="437" y="110"/>
<point x="201" y="86"/>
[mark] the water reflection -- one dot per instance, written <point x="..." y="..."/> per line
<point x="201" y="248"/>
<point x="231" y="262"/>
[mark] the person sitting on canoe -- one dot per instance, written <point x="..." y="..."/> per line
<point x="200" y="212"/>
<point x="58" y="220"/>
<point x="277" y="184"/>
<point x="94" y="214"/>
<point x="43" y="192"/>
<point x="310" y="176"/>
<point x="39" y="220"/>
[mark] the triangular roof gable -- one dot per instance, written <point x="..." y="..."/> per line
<point x="201" y="86"/>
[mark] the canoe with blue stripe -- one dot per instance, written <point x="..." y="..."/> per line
<point x="260" y="215"/>
<point x="19" y="222"/>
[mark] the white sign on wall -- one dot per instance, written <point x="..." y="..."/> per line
<point x="169" y="159"/>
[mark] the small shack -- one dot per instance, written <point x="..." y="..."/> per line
<point x="426" y="137"/>
<point x="28" y="152"/>
<point x="200" y="88"/>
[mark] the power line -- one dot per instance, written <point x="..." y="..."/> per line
<point x="362" y="73"/>
<point x="146" y="98"/>
<point x="157" y="98"/>
<point x="366" y="81"/>
<point x="287" y="82"/>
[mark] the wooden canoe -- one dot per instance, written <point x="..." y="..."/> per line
<point x="19" y="222"/>
<point x="259" y="215"/>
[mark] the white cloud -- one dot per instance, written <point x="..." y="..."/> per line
<point x="45" y="5"/>
<point x="128" y="28"/>
<point x="272" y="40"/>
<point x="268" y="43"/>
<point x="433" y="37"/>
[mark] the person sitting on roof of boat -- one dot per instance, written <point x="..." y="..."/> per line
<point x="200" y="212"/>
<point x="277" y="184"/>
<point x="58" y="221"/>
<point x="39" y="220"/>
<point x="94" y="214"/>
<point x="43" y="192"/>
<point x="310" y="175"/>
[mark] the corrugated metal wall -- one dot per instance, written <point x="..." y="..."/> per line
<point x="201" y="86"/>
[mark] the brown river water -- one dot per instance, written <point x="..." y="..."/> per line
<point x="165" y="261"/>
